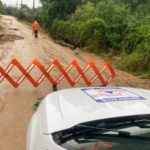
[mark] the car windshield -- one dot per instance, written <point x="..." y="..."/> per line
<point x="114" y="134"/>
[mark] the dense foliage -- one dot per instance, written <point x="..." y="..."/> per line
<point x="22" y="13"/>
<point x="119" y="27"/>
<point x="1" y="7"/>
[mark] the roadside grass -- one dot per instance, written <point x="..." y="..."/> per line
<point x="134" y="64"/>
<point x="37" y="103"/>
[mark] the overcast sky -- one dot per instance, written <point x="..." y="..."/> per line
<point x="27" y="2"/>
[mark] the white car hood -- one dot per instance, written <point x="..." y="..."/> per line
<point x="66" y="108"/>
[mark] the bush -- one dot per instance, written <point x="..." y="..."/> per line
<point x="92" y="33"/>
<point x="135" y="62"/>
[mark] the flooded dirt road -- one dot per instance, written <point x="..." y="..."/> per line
<point x="16" y="41"/>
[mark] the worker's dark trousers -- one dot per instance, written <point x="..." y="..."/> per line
<point x="36" y="34"/>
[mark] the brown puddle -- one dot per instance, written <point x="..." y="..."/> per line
<point x="9" y="37"/>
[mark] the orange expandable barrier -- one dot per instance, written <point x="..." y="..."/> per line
<point x="46" y="73"/>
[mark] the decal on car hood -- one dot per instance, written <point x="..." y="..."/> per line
<point x="111" y="94"/>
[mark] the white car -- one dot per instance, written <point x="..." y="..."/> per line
<point x="93" y="118"/>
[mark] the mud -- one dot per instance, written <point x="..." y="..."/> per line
<point x="15" y="29"/>
<point x="9" y="37"/>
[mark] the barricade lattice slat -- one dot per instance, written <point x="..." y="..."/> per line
<point x="46" y="73"/>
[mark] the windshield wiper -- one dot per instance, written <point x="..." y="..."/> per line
<point x="105" y="130"/>
<point x="93" y="131"/>
<point x="143" y="123"/>
<point x="139" y="122"/>
<point x="107" y="138"/>
<point x="106" y="127"/>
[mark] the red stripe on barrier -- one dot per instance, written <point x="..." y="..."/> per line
<point x="46" y="73"/>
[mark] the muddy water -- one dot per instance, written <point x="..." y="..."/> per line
<point x="9" y="38"/>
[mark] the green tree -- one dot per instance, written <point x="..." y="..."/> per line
<point x="25" y="13"/>
<point x="59" y="9"/>
<point x="1" y="7"/>
<point x="135" y="3"/>
<point x="9" y="10"/>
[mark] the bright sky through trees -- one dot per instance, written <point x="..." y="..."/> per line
<point x="27" y="2"/>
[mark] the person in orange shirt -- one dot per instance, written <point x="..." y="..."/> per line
<point x="35" y="29"/>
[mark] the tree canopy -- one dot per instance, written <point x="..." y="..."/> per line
<point x="1" y="7"/>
